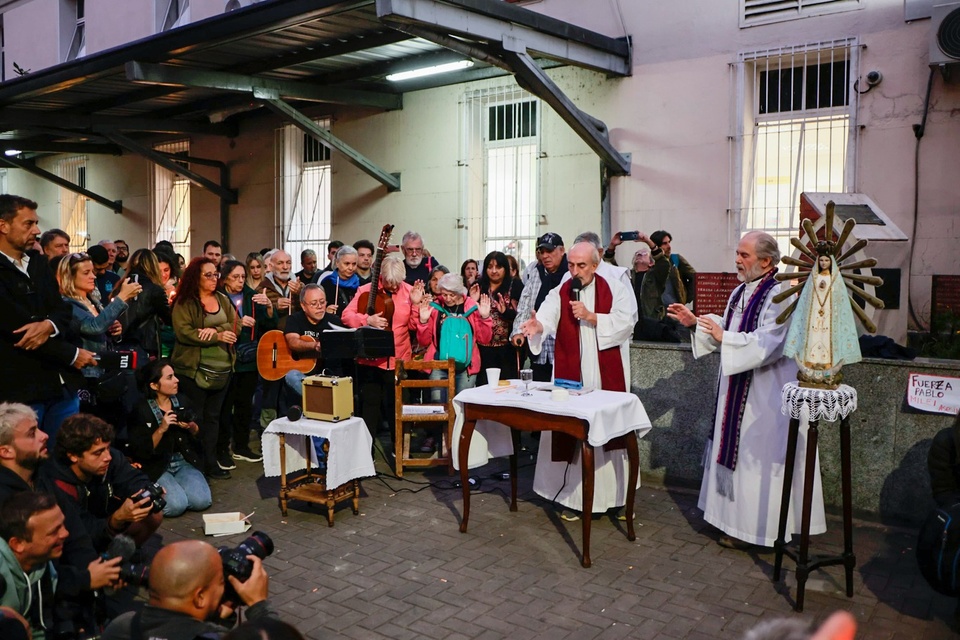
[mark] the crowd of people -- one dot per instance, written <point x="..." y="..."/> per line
<point x="137" y="371"/>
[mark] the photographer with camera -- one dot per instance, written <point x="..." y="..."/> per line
<point x="112" y="496"/>
<point x="188" y="581"/>
<point x="163" y="440"/>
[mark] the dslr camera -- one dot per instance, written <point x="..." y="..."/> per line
<point x="155" y="493"/>
<point x="237" y="564"/>
<point x="185" y="415"/>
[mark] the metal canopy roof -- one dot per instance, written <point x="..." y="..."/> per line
<point x="199" y="78"/>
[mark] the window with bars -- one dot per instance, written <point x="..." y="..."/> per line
<point x="753" y="12"/>
<point x="73" y="206"/>
<point x="171" y="201"/>
<point x="303" y="186"/>
<point x="501" y="155"/>
<point x="797" y="132"/>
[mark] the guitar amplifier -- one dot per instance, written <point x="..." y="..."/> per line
<point x="327" y="398"/>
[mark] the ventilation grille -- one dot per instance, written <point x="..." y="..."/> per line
<point x="764" y="11"/>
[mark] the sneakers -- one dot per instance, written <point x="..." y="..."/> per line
<point x="218" y="474"/>
<point x="224" y="461"/>
<point x="247" y="455"/>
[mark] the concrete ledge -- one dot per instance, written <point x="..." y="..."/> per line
<point x="890" y="481"/>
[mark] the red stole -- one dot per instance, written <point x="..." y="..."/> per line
<point x="566" y="361"/>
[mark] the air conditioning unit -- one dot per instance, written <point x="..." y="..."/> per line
<point x="945" y="38"/>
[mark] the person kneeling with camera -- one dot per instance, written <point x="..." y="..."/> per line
<point x="163" y="440"/>
<point x="113" y="497"/>
<point x="188" y="582"/>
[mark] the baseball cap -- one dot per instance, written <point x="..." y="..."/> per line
<point x="549" y="241"/>
<point x="98" y="254"/>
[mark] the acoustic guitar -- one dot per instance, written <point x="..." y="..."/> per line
<point x="274" y="359"/>
<point x="375" y="301"/>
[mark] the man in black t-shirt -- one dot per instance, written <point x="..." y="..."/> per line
<point x="417" y="265"/>
<point x="309" y="323"/>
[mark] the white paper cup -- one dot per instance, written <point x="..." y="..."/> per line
<point x="493" y="376"/>
<point x="560" y="395"/>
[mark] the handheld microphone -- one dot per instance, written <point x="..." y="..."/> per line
<point x="575" y="288"/>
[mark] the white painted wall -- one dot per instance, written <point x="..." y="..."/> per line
<point x="31" y="34"/>
<point x="110" y="23"/>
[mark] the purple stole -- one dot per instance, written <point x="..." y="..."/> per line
<point x="739" y="386"/>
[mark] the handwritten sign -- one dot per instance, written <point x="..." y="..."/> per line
<point x="933" y="394"/>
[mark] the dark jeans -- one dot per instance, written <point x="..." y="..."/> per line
<point x="207" y="404"/>
<point x="376" y="398"/>
<point x="237" y="409"/>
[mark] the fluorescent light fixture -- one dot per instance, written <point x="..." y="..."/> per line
<point x="430" y="71"/>
<point x="12" y="152"/>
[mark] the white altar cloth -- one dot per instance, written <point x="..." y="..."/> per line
<point x="349" y="455"/>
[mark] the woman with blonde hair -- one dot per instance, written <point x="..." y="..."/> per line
<point x="256" y="270"/>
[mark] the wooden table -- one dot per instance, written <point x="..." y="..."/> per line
<point x="349" y="453"/>
<point x="530" y="420"/>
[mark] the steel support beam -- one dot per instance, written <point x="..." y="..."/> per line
<point x="21" y="118"/>
<point x="221" y="191"/>
<point x="479" y="21"/>
<point x="311" y="128"/>
<point x="114" y="205"/>
<point x="48" y="146"/>
<point x="171" y="76"/>
<point x="535" y="80"/>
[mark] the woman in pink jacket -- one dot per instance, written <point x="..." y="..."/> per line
<point x="452" y="302"/>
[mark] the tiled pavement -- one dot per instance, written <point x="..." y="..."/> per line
<point x="401" y="569"/>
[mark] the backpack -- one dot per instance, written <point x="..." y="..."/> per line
<point x="456" y="337"/>
<point x="938" y="550"/>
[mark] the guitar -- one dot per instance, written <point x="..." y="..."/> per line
<point x="274" y="359"/>
<point x="372" y="301"/>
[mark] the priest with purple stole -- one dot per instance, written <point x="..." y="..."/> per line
<point x="744" y="460"/>
<point x="592" y="319"/>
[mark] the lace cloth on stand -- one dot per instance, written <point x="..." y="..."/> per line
<point x="810" y="404"/>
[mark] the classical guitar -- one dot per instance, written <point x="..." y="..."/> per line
<point x="375" y="301"/>
<point x="274" y="359"/>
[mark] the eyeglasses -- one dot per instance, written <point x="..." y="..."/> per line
<point x="78" y="257"/>
<point x="213" y="275"/>
<point x="316" y="304"/>
<point x="413" y="249"/>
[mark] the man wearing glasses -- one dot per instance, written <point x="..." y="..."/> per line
<point x="311" y="322"/>
<point x="35" y="361"/>
<point x="418" y="267"/>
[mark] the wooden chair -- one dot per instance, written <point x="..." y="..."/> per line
<point x="413" y="415"/>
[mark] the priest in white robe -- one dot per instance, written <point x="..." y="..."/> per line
<point x="593" y="327"/>
<point x="745" y="459"/>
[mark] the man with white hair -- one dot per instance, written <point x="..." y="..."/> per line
<point x="592" y="319"/>
<point x="744" y="465"/>
<point x="282" y="291"/>
<point x="418" y="267"/>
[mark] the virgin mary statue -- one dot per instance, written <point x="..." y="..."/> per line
<point x="823" y="335"/>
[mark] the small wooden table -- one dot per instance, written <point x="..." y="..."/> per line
<point x="530" y="420"/>
<point x="346" y="449"/>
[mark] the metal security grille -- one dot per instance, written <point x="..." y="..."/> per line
<point x="797" y="132"/>
<point x="303" y="185"/>
<point x="501" y="146"/>
<point x="73" y="206"/>
<point x="171" y="202"/>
